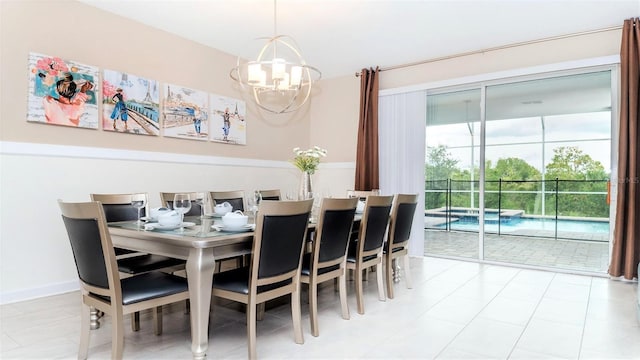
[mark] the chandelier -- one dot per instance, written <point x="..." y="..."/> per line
<point x="278" y="80"/>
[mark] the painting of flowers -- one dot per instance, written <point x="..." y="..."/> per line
<point x="228" y="120"/>
<point x="62" y="92"/>
<point x="185" y="113"/>
<point x="130" y="104"/>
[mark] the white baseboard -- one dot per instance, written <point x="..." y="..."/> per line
<point x="33" y="293"/>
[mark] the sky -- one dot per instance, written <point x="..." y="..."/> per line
<point x="522" y="138"/>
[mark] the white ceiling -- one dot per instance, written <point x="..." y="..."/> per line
<point x="340" y="37"/>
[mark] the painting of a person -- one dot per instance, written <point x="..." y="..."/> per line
<point x="226" y="125"/>
<point x="197" y="121"/>
<point x="119" y="110"/>
<point x="69" y="106"/>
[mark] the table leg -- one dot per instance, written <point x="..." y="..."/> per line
<point x="200" y="265"/>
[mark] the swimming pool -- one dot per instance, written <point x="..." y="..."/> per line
<point x="515" y="224"/>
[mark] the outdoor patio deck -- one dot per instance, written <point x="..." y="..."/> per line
<point x="581" y="255"/>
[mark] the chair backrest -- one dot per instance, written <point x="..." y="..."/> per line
<point x="373" y="226"/>
<point x="167" y="200"/>
<point x="235" y="198"/>
<point x="270" y="194"/>
<point x="280" y="233"/>
<point x="333" y="231"/>
<point x="362" y="194"/>
<point x="92" y="248"/>
<point x="401" y="221"/>
<point x="117" y="207"/>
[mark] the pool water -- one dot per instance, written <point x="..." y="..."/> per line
<point x="581" y="226"/>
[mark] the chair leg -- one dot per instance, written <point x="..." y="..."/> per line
<point x="380" y="282"/>
<point x="296" y="313"/>
<point x="389" y="275"/>
<point x="343" y="296"/>
<point x="251" y="329"/>
<point x="407" y="271"/>
<point x="117" y="334"/>
<point x="187" y="307"/>
<point x="85" y="326"/>
<point x="260" y="310"/>
<point x="135" y="321"/>
<point x="359" y="294"/>
<point x="157" y="320"/>
<point x="313" y="307"/>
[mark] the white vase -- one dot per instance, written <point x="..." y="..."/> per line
<point x="305" y="191"/>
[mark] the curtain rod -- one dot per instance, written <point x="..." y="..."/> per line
<point x="502" y="47"/>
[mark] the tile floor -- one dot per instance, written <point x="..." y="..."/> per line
<point x="455" y="310"/>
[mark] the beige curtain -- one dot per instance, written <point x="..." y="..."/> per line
<point x="626" y="236"/>
<point x="367" y="177"/>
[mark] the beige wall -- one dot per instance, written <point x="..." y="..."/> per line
<point x="41" y="163"/>
<point x="82" y="33"/>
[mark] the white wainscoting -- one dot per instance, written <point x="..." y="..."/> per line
<point x="35" y="256"/>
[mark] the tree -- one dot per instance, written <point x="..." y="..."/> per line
<point x="570" y="163"/>
<point x="518" y="188"/>
<point x="439" y="168"/>
<point x="440" y="165"/>
<point x="576" y="172"/>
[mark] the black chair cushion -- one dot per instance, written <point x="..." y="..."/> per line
<point x="237" y="280"/>
<point x="236" y="203"/>
<point x="282" y="241"/>
<point x="352" y="259"/>
<point x="306" y="266"/>
<point x="404" y="221"/>
<point x="84" y="235"/>
<point x="121" y="212"/>
<point x="121" y="251"/>
<point x="272" y="198"/>
<point x="336" y="230"/>
<point x="145" y="263"/>
<point x="149" y="286"/>
<point x="378" y="218"/>
<point x="394" y="250"/>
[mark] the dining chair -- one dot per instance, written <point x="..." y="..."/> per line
<point x="274" y="271"/>
<point x="117" y="207"/>
<point x="397" y="244"/>
<point x="167" y="200"/>
<point x="235" y="198"/>
<point x="366" y="251"/>
<point x="100" y="284"/>
<point x="362" y="194"/>
<point x="327" y="260"/>
<point x="270" y="194"/>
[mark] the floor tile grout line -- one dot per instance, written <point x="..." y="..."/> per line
<point x="531" y="316"/>
<point x="584" y="323"/>
<point x="484" y="307"/>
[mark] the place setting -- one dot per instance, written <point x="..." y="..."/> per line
<point x="168" y="219"/>
<point x="235" y="221"/>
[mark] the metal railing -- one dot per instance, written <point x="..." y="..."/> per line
<point x="545" y="200"/>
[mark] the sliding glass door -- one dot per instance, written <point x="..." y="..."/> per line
<point x="547" y="163"/>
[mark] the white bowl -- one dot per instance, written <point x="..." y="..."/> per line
<point x="155" y="212"/>
<point x="235" y="220"/>
<point x="222" y="209"/>
<point x="169" y="218"/>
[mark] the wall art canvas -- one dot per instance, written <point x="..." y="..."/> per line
<point x="228" y="124"/>
<point x="185" y="113"/>
<point x="62" y="92"/>
<point x="130" y="104"/>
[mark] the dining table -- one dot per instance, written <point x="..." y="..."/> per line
<point x="201" y="245"/>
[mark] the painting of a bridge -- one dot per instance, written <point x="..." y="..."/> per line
<point x="185" y="113"/>
<point x="130" y="104"/>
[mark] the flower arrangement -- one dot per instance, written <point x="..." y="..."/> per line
<point x="308" y="160"/>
